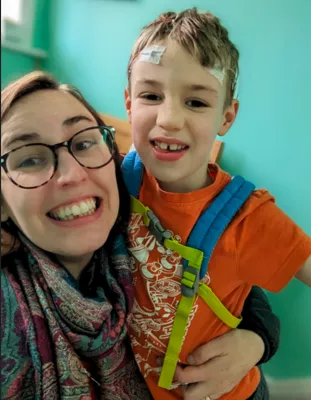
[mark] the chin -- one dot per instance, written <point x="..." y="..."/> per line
<point x="77" y="247"/>
<point x="168" y="176"/>
<point x="88" y="245"/>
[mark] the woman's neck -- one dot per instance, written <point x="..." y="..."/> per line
<point x="75" y="265"/>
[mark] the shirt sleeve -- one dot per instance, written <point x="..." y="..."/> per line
<point x="270" y="247"/>
<point x="259" y="318"/>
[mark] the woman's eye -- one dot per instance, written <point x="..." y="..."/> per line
<point x="196" y="103"/>
<point x="32" y="162"/>
<point x="151" y="97"/>
<point x="85" y="145"/>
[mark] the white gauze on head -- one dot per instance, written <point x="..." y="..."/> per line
<point x="152" y="54"/>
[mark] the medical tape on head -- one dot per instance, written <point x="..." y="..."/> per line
<point x="152" y="54"/>
<point x="218" y="73"/>
<point x="236" y="90"/>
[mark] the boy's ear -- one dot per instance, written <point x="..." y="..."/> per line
<point x="128" y="103"/>
<point x="229" y="117"/>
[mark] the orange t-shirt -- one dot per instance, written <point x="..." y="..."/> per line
<point x="261" y="246"/>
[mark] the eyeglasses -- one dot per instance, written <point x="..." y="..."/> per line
<point x="33" y="165"/>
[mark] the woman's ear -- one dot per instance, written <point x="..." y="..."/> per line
<point x="128" y="103"/>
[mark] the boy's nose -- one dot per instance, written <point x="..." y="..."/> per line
<point x="170" y="117"/>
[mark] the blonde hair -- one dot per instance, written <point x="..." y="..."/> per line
<point x="201" y="34"/>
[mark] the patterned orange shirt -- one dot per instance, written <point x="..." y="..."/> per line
<point x="261" y="246"/>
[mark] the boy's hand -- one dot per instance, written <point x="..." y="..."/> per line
<point x="220" y="365"/>
<point x="304" y="274"/>
<point x="8" y="245"/>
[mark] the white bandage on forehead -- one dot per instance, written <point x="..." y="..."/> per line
<point x="218" y="73"/>
<point x="152" y="54"/>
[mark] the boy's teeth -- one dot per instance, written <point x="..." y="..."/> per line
<point x="86" y="207"/>
<point x="171" y="147"/>
<point x="162" y="146"/>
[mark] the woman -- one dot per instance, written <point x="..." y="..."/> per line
<point x="66" y="291"/>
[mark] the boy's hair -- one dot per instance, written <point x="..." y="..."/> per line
<point x="201" y="34"/>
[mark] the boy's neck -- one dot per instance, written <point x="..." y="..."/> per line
<point x="189" y="184"/>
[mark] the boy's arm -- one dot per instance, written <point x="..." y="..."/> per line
<point x="304" y="274"/>
<point x="271" y="248"/>
<point x="259" y="318"/>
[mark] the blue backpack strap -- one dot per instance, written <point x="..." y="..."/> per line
<point x="212" y="223"/>
<point x="132" y="170"/>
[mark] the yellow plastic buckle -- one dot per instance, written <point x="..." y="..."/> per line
<point x="190" y="281"/>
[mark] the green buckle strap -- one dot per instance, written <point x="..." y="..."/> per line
<point x="139" y="208"/>
<point x="190" y="287"/>
<point x="175" y="342"/>
<point x="217" y="307"/>
<point x="150" y="220"/>
<point x="180" y="324"/>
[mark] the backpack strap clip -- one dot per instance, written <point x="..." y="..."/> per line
<point x="190" y="281"/>
<point x="156" y="228"/>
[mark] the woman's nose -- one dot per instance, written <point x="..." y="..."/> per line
<point x="69" y="171"/>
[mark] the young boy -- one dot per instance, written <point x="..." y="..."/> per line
<point x="182" y="79"/>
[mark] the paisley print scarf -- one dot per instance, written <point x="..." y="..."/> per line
<point x="57" y="343"/>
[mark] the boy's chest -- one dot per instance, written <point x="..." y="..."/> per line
<point x="157" y="275"/>
<point x="160" y="269"/>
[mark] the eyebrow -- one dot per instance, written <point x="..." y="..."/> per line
<point x="198" y="88"/>
<point x="149" y="82"/>
<point x="33" y="136"/>
<point x="192" y="87"/>
<point x="24" y="137"/>
<point x="74" y="120"/>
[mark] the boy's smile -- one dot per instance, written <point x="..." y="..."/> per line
<point x="168" y="149"/>
<point x="176" y="109"/>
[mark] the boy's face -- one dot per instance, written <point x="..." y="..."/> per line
<point x="177" y="103"/>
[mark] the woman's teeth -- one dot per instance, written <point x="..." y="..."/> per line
<point x="76" y="210"/>
<point x="170" y="147"/>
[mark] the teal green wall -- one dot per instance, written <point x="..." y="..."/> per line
<point x="270" y="142"/>
<point x="42" y="24"/>
<point x="15" y="64"/>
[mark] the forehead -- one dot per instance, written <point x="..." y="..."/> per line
<point x="41" y="111"/>
<point x="176" y="64"/>
<point x="44" y="106"/>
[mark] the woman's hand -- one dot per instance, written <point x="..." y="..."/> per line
<point x="8" y="244"/>
<point x="218" y="366"/>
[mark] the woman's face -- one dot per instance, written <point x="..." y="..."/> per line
<point x="55" y="116"/>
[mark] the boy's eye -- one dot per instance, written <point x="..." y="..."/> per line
<point x="196" y="103"/>
<point x="151" y="97"/>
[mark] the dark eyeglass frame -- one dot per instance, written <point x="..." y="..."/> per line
<point x="54" y="147"/>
